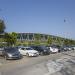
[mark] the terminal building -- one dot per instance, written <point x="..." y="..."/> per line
<point x="31" y="36"/>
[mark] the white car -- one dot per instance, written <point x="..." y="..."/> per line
<point x="74" y="48"/>
<point x="53" y="49"/>
<point x="28" y="51"/>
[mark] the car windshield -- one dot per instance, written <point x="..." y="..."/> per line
<point x="11" y="50"/>
<point x="29" y="48"/>
<point x="43" y="47"/>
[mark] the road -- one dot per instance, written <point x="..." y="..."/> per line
<point x="43" y="65"/>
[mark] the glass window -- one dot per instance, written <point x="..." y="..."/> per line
<point x="28" y="48"/>
<point x="31" y="36"/>
<point x="18" y="36"/>
<point x="23" y="48"/>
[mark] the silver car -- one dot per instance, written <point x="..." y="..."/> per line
<point x="11" y="53"/>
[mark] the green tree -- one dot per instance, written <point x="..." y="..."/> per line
<point x="71" y="42"/>
<point x="59" y="41"/>
<point x="66" y="42"/>
<point x="2" y="26"/>
<point x="49" y="41"/>
<point x="14" y="37"/>
<point x="37" y="39"/>
<point x="11" y="38"/>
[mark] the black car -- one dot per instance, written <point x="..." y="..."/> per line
<point x="42" y="50"/>
<point x="11" y="53"/>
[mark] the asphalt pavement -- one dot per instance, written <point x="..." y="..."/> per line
<point x="54" y="64"/>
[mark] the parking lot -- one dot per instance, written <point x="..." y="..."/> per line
<point x="3" y="61"/>
<point x="41" y="65"/>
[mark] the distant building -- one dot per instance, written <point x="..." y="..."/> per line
<point x="31" y="37"/>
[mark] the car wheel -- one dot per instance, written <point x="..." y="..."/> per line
<point x="27" y="54"/>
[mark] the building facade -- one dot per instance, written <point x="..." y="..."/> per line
<point x="32" y="36"/>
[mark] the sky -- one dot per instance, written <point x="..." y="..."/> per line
<point x="54" y="17"/>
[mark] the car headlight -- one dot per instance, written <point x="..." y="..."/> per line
<point x="9" y="55"/>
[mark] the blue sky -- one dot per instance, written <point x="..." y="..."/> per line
<point x="39" y="16"/>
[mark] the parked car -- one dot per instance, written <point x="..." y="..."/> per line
<point x="42" y="50"/>
<point x="1" y="50"/>
<point x="11" y="53"/>
<point x="28" y="51"/>
<point x="73" y="47"/>
<point x="19" y="47"/>
<point x="67" y="48"/>
<point x="53" y="49"/>
<point x="60" y="48"/>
